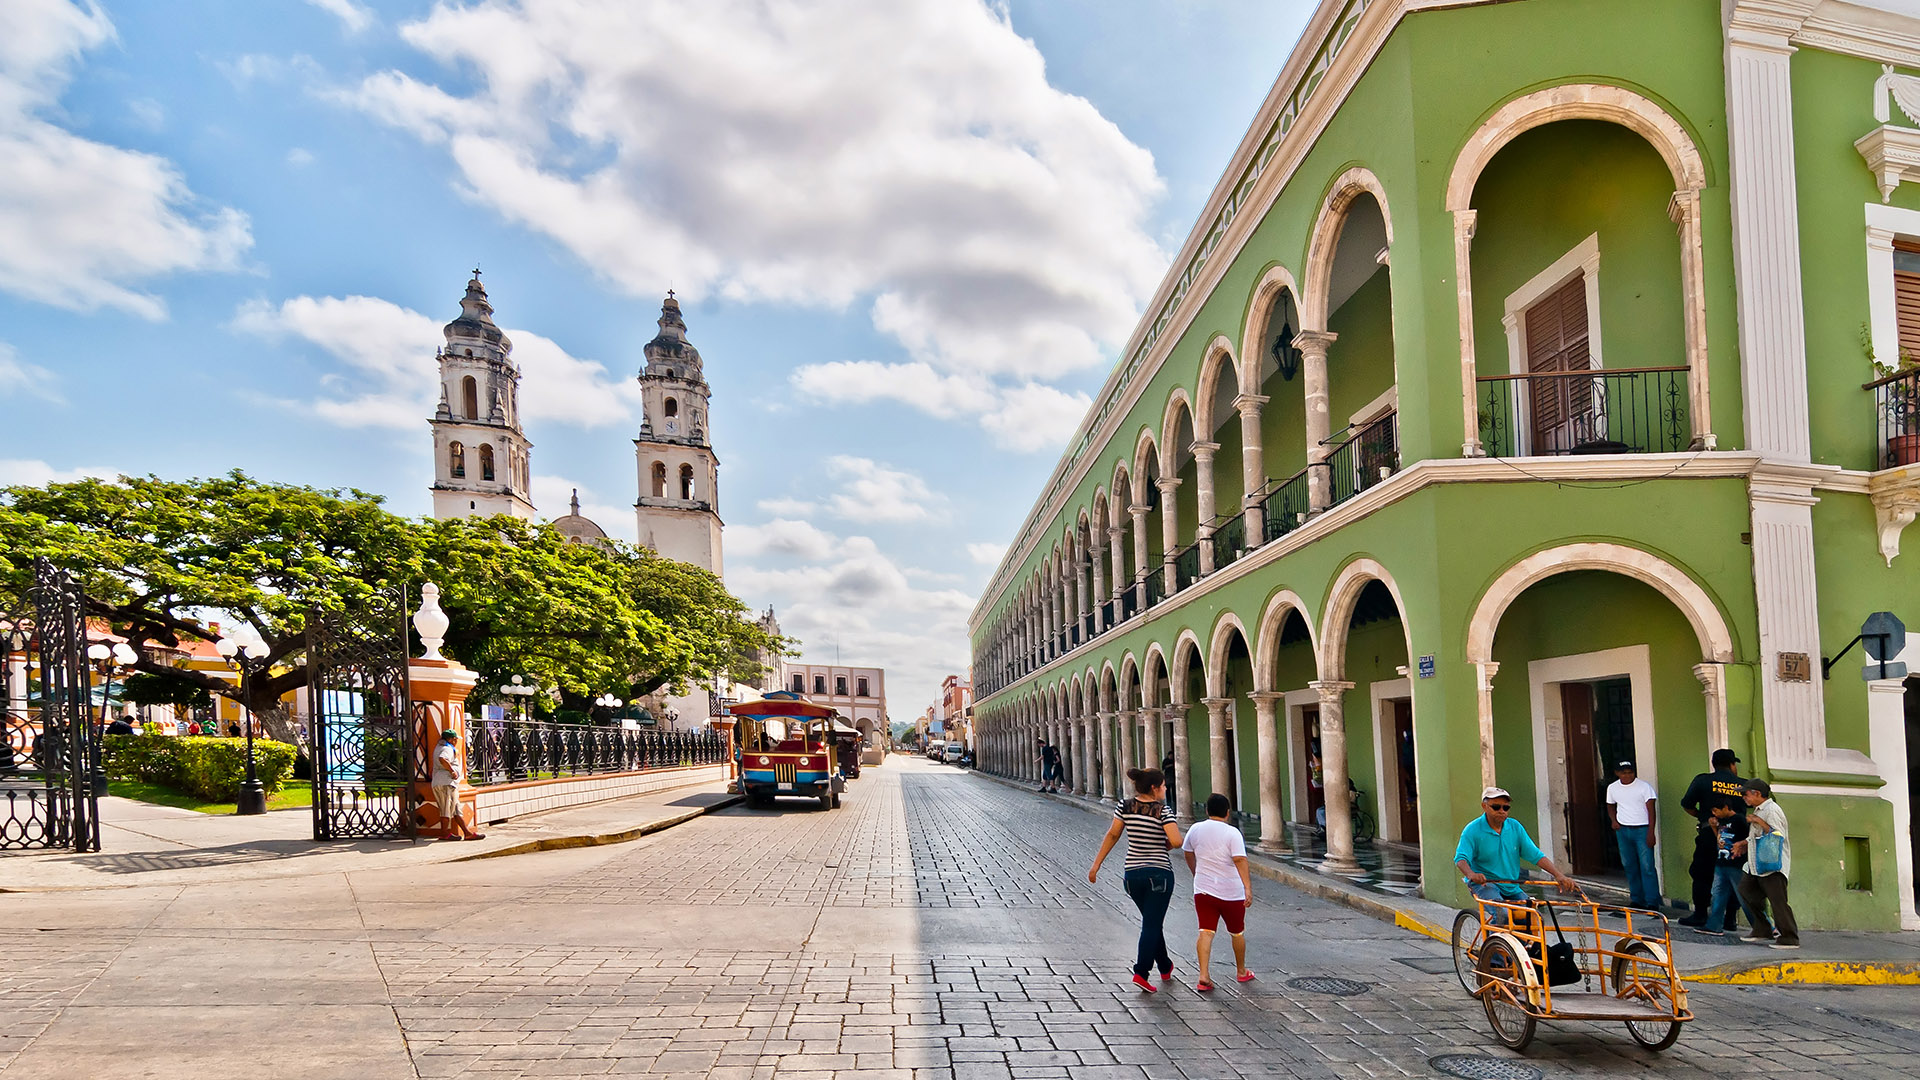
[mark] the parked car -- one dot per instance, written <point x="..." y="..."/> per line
<point x="954" y="752"/>
<point x="936" y="750"/>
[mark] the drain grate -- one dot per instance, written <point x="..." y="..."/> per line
<point x="1481" y="1067"/>
<point x="1432" y="965"/>
<point x="1328" y="984"/>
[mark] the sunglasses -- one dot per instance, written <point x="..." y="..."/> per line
<point x="1500" y="806"/>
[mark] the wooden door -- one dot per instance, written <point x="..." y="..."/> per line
<point x="1583" y="810"/>
<point x="1563" y="409"/>
<point x="1409" y="794"/>
<point x="1310" y="753"/>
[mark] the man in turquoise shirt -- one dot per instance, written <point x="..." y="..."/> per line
<point x="1493" y="846"/>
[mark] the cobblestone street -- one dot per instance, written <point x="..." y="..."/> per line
<point x="938" y="927"/>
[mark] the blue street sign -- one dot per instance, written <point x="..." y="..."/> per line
<point x="1889" y="624"/>
<point x="1426" y="667"/>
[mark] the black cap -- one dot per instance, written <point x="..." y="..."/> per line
<point x="1624" y="765"/>
<point x="1761" y="786"/>
<point x="1723" y="758"/>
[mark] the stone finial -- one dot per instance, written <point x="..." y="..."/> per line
<point x="431" y="622"/>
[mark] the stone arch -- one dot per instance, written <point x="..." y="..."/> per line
<point x="1109" y="686"/>
<point x="1689" y="596"/>
<point x="1253" y="330"/>
<point x="1129" y="677"/>
<point x="1346" y="188"/>
<point x="1219" y="353"/>
<point x="1219" y="641"/>
<point x="1154" y="661"/>
<point x="1185" y="645"/>
<point x="1273" y="620"/>
<point x="1178" y="402"/>
<point x="1341" y="598"/>
<point x="1122" y="487"/>
<point x="1146" y="450"/>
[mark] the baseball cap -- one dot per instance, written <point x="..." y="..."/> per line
<point x="1494" y="793"/>
<point x="1624" y="765"/>
<point x="449" y="735"/>
<point x="1724" y="756"/>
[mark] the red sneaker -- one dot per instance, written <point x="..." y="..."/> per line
<point x="1145" y="986"/>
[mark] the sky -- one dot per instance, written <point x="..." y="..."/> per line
<point x="909" y="239"/>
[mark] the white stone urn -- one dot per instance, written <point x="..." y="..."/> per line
<point x="431" y="622"/>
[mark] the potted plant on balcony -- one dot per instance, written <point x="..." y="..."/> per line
<point x="1899" y="393"/>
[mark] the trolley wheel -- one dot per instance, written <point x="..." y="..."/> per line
<point x="1639" y="975"/>
<point x="1507" y="1012"/>
<point x="1466" y="937"/>
<point x="826" y="802"/>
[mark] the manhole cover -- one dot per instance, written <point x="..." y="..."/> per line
<point x="1328" y="984"/>
<point x="1480" y="1067"/>
<point x="1432" y="965"/>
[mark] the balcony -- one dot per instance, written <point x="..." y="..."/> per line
<point x="1896" y="407"/>
<point x="1229" y="537"/>
<point x="1186" y="566"/>
<point x="1599" y="411"/>
<point x="1284" y="506"/>
<point x="1156" y="585"/>
<point x="1370" y="454"/>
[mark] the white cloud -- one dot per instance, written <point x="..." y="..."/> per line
<point x="788" y="507"/>
<point x="908" y="157"/>
<point x="554" y="495"/>
<point x="391" y="380"/>
<point x="17" y="377"/>
<point x="82" y="222"/>
<point x="781" y="536"/>
<point x="299" y="157"/>
<point x="1027" y="417"/>
<point x="986" y="554"/>
<point x="871" y="491"/>
<point x="20" y="472"/>
<point x="1035" y="417"/>
<point x="352" y="16"/>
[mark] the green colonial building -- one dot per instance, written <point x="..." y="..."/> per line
<point x="1534" y="392"/>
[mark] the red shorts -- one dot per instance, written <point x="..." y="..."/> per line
<point x="1212" y="909"/>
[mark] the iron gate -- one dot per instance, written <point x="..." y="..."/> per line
<point x="362" y="738"/>
<point x="50" y="753"/>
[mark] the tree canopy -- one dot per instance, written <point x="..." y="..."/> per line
<point x="163" y="561"/>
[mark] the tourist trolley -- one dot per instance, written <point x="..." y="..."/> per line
<point x="1549" y="959"/>
<point x="787" y="748"/>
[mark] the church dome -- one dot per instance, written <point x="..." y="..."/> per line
<point x="475" y="321"/>
<point x="670" y="346"/>
<point x="578" y="529"/>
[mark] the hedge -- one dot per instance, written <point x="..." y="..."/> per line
<point x="205" y="767"/>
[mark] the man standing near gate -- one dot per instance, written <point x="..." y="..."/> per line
<point x="1721" y="787"/>
<point x="446" y="789"/>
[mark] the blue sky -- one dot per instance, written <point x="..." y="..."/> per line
<point x="909" y="237"/>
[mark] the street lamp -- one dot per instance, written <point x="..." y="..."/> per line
<point x="519" y="691"/>
<point x="609" y="703"/>
<point x="253" y="794"/>
<point x="105" y="659"/>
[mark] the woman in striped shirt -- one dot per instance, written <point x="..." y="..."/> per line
<point x="1147" y="822"/>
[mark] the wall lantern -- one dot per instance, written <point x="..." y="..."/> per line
<point x="1285" y="356"/>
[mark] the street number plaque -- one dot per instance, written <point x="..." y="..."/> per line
<point x="1795" y="667"/>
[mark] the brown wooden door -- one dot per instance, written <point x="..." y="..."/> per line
<point x="1556" y="331"/>
<point x="1310" y="753"/>
<point x="1583" y="811"/>
<point x="1409" y="789"/>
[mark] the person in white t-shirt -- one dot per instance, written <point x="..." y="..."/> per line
<point x="1222" y="887"/>
<point x="1630" y="807"/>
<point x="446" y="789"/>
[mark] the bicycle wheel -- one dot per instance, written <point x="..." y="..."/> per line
<point x="1466" y="949"/>
<point x="1505" y="1000"/>
<point x="1638" y="976"/>
<point x="1363" y="827"/>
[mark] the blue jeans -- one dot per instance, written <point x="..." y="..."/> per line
<point x="1152" y="890"/>
<point x="1495" y="916"/>
<point x="1636" y="857"/>
<point x="1726" y="888"/>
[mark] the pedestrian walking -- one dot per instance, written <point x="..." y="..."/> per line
<point x="1050" y="772"/>
<point x="1148" y="824"/>
<point x="1769" y="858"/>
<point x="1222" y="887"/>
<point x="1729" y="855"/>
<point x="1630" y="807"/>
<point x="1167" y="770"/>
<point x="446" y="789"/>
<point x="1708" y="792"/>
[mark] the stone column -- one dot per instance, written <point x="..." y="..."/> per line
<point x="1313" y="346"/>
<point x="1182" y="764"/>
<point x="1105" y="720"/>
<point x="1139" y="514"/>
<point x="1098" y="558"/>
<point x="1266" y="721"/>
<point x="1253" y="466"/>
<point x="1333" y="764"/>
<point x="1464" y="224"/>
<point x="1116" y="541"/>
<point x="1084" y="784"/>
<point x="1169" y="531"/>
<point x="1219" y="775"/>
<point x="1079" y="593"/>
<point x="1483" y="692"/>
<point x="1204" y="501"/>
<point x="1150" y="752"/>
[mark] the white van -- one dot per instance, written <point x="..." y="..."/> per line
<point x="955" y="751"/>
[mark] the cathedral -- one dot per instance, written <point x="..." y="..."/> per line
<point x="482" y="457"/>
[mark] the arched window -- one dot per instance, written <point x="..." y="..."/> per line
<point x="486" y="461"/>
<point x="659" y="479"/>
<point x="819" y="684"/>
<point x="470" y="397"/>
<point x="672" y="407"/>
<point x="456" y="461"/>
<point x="686" y="482"/>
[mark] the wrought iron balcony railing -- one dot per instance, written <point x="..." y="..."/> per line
<point x="1229" y="537"/>
<point x="1370" y="454"/>
<point x="1597" y="411"/>
<point x="1130" y="601"/>
<point x="1284" y="506"/>
<point x="509" y="751"/>
<point x="1107" y="613"/>
<point x="1186" y="566"/>
<point x="1156" y="585"/>
<point x="1896" y="404"/>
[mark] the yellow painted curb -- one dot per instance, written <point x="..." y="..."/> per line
<point x="1420" y="926"/>
<point x="1816" y="972"/>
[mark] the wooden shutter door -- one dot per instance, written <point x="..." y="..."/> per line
<point x="1557" y="341"/>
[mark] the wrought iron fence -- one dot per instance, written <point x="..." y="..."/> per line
<point x="1228" y="538"/>
<point x="1186" y="566"/>
<point x="49" y="744"/>
<point x="1156" y="585"/>
<point x="1597" y="411"/>
<point x="1896" y="405"/>
<point x="366" y="756"/>
<point x="1285" y="507"/>
<point x="1108" y="609"/>
<point x="1370" y="455"/>
<point x="1130" y="600"/>
<point x="515" y="750"/>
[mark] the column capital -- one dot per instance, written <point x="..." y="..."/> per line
<point x="1167" y="484"/>
<point x="1487" y="669"/>
<point x="1250" y="402"/>
<point x="1315" y="343"/>
<point x="1267" y="697"/>
<point x="1465" y="224"/>
<point x="1203" y="451"/>
<point x="1139" y="511"/>
<point x="1330" y="690"/>
<point x="1216" y="703"/>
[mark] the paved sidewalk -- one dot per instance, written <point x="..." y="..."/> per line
<point x="144" y="844"/>
<point x="1833" y="957"/>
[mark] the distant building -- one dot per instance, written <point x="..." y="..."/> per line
<point x="859" y="693"/>
<point x="678" y="510"/>
<point x="482" y="459"/>
<point x="955" y="707"/>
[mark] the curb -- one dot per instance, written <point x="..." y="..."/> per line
<point x="1784" y="973"/>
<point x="561" y="843"/>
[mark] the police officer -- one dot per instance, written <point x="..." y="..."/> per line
<point x="1722" y="787"/>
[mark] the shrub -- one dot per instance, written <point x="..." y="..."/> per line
<point x="209" y="768"/>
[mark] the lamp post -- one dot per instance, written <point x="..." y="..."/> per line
<point x="609" y="703"/>
<point x="241" y="650"/>
<point x="519" y="691"/>
<point x="106" y="659"/>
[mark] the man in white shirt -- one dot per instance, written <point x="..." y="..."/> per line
<point x="1630" y="807"/>
<point x="1222" y="885"/>
<point x="446" y="789"/>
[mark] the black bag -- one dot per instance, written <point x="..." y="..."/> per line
<point x="1562" y="968"/>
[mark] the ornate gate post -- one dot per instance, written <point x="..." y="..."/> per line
<point x="438" y="689"/>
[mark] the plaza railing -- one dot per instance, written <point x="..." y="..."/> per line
<point x="1592" y="411"/>
<point x="1896" y="406"/>
<point x="514" y="751"/>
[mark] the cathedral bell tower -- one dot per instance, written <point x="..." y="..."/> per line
<point x="679" y="504"/>
<point x="480" y="454"/>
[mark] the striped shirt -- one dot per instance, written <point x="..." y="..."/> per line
<point x="1146" y="833"/>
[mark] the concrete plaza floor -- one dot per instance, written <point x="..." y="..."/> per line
<point x="937" y="927"/>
